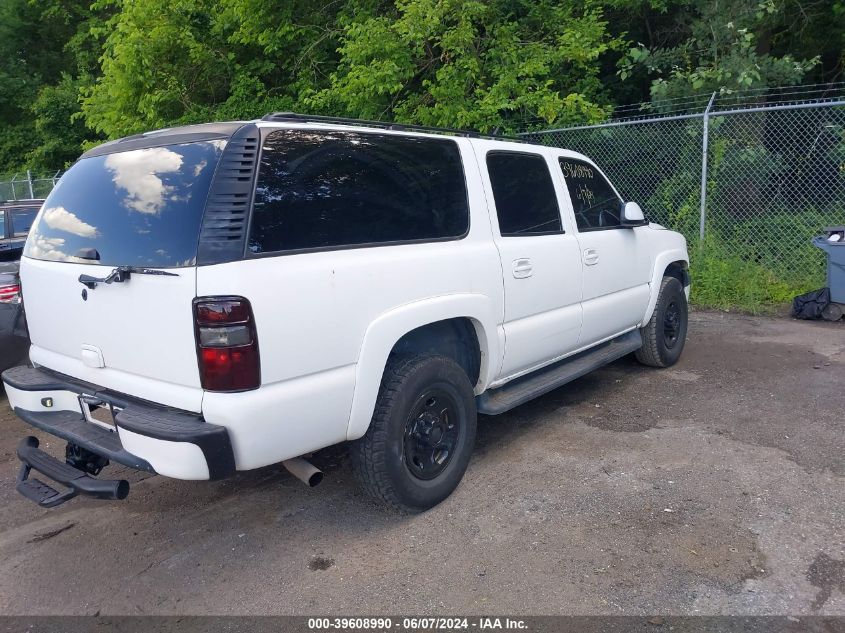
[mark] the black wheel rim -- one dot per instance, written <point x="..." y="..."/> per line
<point x="431" y="434"/>
<point x="671" y="324"/>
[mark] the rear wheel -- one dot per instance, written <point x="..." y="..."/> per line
<point x="421" y="436"/>
<point x="665" y="333"/>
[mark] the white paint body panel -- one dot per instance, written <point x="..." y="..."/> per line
<point x="31" y="400"/>
<point x="617" y="265"/>
<point x="327" y="321"/>
<point x="616" y="287"/>
<point x="543" y="312"/>
<point x="667" y="246"/>
<point x="142" y="329"/>
<point x="180" y="460"/>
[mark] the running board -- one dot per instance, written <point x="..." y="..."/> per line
<point x="525" y="388"/>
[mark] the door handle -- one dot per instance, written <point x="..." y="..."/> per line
<point x="591" y="256"/>
<point x="522" y="268"/>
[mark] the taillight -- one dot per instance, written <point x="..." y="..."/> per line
<point x="10" y="293"/>
<point x="227" y="344"/>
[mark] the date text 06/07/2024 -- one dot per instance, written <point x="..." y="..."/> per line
<point x="416" y="624"/>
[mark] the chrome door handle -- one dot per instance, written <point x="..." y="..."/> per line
<point x="591" y="256"/>
<point x="522" y="268"/>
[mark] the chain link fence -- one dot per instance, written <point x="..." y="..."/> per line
<point x="26" y="185"/>
<point x="748" y="178"/>
<point x="748" y="184"/>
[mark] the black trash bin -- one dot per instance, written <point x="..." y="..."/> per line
<point x="833" y="243"/>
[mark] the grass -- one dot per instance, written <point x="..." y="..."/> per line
<point x="727" y="280"/>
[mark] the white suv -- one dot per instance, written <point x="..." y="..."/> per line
<point x="221" y="297"/>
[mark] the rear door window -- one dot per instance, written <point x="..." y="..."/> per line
<point x="141" y="207"/>
<point x="594" y="201"/>
<point x="322" y="189"/>
<point x="21" y="220"/>
<point x="526" y="202"/>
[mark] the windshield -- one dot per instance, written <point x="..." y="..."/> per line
<point x="22" y="220"/>
<point x="139" y="208"/>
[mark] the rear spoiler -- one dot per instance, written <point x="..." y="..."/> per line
<point x="170" y="136"/>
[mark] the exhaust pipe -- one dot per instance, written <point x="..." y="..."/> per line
<point x="304" y="470"/>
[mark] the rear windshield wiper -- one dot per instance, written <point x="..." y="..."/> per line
<point x="121" y="274"/>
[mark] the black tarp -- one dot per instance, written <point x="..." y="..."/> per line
<point x="811" y="304"/>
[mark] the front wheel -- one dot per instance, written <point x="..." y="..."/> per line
<point x="421" y="436"/>
<point x="666" y="332"/>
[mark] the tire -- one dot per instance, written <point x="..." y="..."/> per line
<point x="665" y="333"/>
<point x="832" y="312"/>
<point x="421" y="436"/>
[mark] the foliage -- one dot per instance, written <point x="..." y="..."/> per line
<point x="470" y="64"/>
<point x="724" y="279"/>
<point x="59" y="132"/>
<point x="75" y="73"/>
<point x="46" y="48"/>
<point x="186" y="61"/>
<point x="689" y="47"/>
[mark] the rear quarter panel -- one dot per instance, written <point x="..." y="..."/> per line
<point x="314" y="312"/>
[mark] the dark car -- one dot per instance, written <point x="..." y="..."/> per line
<point x="15" y="219"/>
<point x="14" y="339"/>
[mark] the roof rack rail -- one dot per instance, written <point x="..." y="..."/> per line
<point x="386" y="125"/>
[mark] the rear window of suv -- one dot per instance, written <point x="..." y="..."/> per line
<point x="141" y="207"/>
<point x="320" y="189"/>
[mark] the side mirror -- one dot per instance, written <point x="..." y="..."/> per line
<point x="632" y="215"/>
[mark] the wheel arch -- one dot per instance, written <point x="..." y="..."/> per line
<point x="674" y="263"/>
<point x="455" y="338"/>
<point x="679" y="270"/>
<point x="459" y="326"/>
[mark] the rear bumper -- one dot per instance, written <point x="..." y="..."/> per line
<point x="147" y="437"/>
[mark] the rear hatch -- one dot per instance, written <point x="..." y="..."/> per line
<point x="143" y="209"/>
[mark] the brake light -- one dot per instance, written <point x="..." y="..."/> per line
<point x="10" y="293"/>
<point x="227" y="344"/>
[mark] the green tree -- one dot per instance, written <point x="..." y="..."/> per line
<point x="185" y="61"/>
<point x="45" y="46"/>
<point x="59" y="133"/>
<point x="685" y="47"/>
<point x="74" y="73"/>
<point x="162" y="62"/>
<point x="464" y="63"/>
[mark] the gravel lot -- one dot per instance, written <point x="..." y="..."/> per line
<point x="714" y="487"/>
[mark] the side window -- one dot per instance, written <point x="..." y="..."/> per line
<point x="2" y="223"/>
<point x="526" y="203"/>
<point x="329" y="189"/>
<point x="594" y="201"/>
<point x="21" y="220"/>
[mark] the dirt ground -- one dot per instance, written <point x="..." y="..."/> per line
<point x="713" y="487"/>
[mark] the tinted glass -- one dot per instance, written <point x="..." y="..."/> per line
<point x="526" y="203"/>
<point x="2" y="223"/>
<point x="22" y="220"/>
<point x="322" y="189"/>
<point x="594" y="201"/>
<point x="142" y="207"/>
